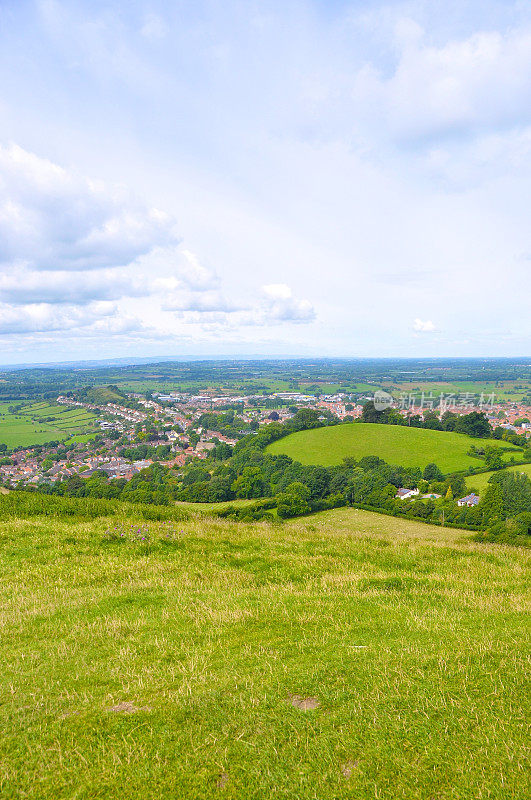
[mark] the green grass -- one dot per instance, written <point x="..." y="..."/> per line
<point x="20" y="430"/>
<point x="409" y="447"/>
<point x="83" y="437"/>
<point x="167" y="667"/>
<point x="17" y="430"/>
<point x="238" y="503"/>
<point x="480" y="482"/>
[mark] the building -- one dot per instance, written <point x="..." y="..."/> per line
<point x="470" y="500"/>
<point x="406" y="494"/>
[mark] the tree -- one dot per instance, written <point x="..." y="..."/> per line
<point x="516" y="491"/>
<point x="432" y="421"/>
<point x="523" y="522"/>
<point x="294" y="501"/>
<point x="432" y="473"/>
<point x="370" y="414"/>
<point x="317" y="479"/>
<point x="492" y="504"/>
<point x="474" y="424"/>
<point x="250" y="484"/>
<point x="449" y="494"/>
<point x="493" y="457"/>
<point x="457" y="484"/>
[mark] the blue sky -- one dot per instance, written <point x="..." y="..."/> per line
<point x="314" y="178"/>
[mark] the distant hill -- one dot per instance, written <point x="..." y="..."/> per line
<point x="101" y="395"/>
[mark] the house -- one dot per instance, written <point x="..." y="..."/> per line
<point x="470" y="500"/>
<point x="406" y="494"/>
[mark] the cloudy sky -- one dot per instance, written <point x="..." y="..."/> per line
<point x="283" y="177"/>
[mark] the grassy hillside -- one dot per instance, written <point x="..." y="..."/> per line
<point x="102" y="394"/>
<point x="347" y="655"/>
<point x="410" y="447"/>
<point x="480" y="482"/>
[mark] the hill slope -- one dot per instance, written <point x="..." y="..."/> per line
<point x="345" y="655"/>
<point x="409" y="447"/>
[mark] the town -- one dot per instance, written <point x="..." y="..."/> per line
<point x="172" y="428"/>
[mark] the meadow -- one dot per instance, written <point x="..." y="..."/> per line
<point x="345" y="655"/>
<point x="42" y="422"/>
<point x="18" y="430"/>
<point x="481" y="481"/>
<point x="409" y="447"/>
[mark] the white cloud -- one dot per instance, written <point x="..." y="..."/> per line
<point x="22" y="286"/>
<point x="424" y="326"/>
<point x="482" y="82"/>
<point x="182" y="268"/>
<point x="280" y="305"/>
<point x="54" y="219"/>
<point x="199" y="301"/>
<point x="54" y="222"/>
<point x="277" y="291"/>
<point x="339" y="151"/>
<point x="41" y="317"/>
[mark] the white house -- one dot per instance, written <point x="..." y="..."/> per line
<point x="406" y="494"/>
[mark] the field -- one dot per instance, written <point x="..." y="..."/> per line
<point x="502" y="390"/>
<point x="348" y="655"/>
<point x="43" y="422"/>
<point x="243" y="385"/>
<point x="410" y="447"/>
<point x="480" y="482"/>
<point x="17" y="430"/>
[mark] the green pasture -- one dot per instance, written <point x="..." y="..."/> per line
<point x="396" y="444"/>
<point x="20" y="431"/>
<point x="28" y="426"/>
<point x="346" y="655"/>
<point x="83" y="437"/>
<point x="480" y="482"/>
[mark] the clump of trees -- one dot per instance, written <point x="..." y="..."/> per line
<point x="474" y="424"/>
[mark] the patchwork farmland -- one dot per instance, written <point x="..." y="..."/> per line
<point x="43" y="422"/>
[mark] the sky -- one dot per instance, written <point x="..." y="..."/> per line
<point x="274" y="178"/>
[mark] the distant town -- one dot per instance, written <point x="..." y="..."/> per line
<point x="173" y="428"/>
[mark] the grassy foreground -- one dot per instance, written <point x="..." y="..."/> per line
<point x="409" y="447"/>
<point x="347" y="655"/>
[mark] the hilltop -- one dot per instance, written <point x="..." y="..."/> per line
<point x="408" y="447"/>
<point x="347" y="654"/>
